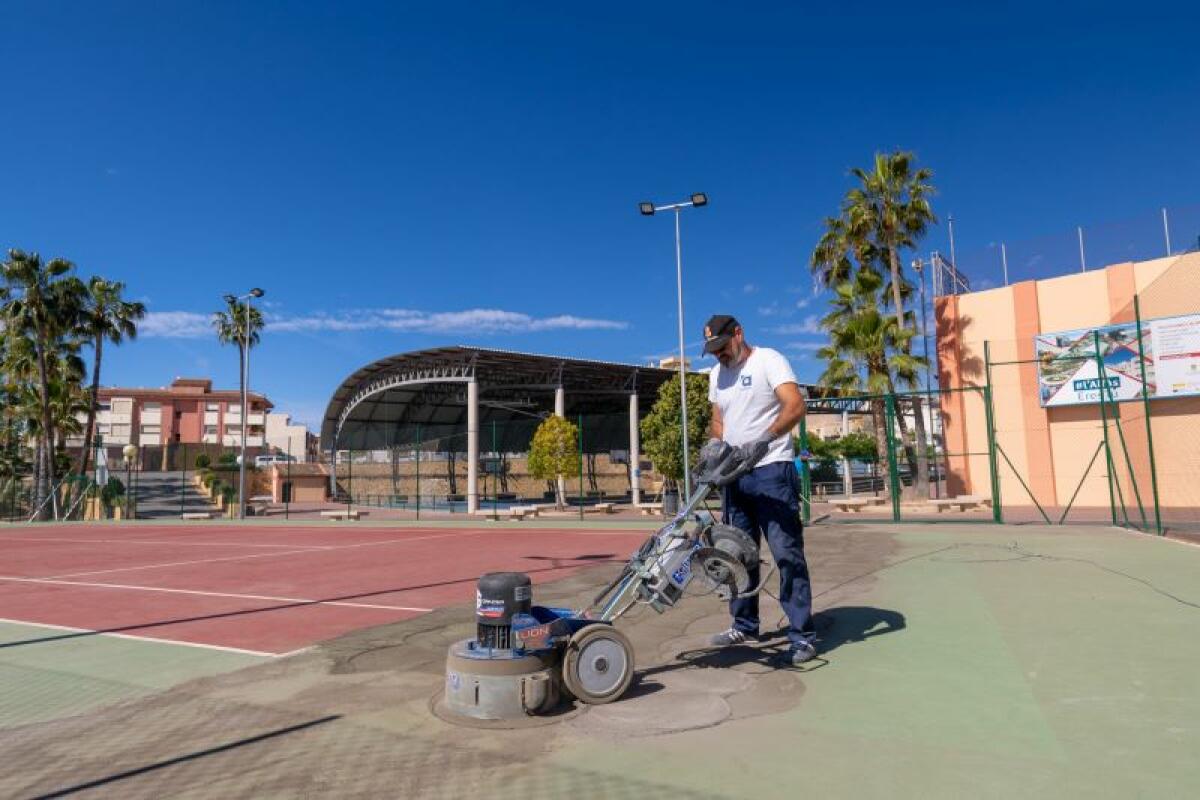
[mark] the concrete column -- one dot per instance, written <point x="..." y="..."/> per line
<point x="472" y="446"/>
<point x="560" y="410"/>
<point x="635" y="453"/>
<point x="332" y="471"/>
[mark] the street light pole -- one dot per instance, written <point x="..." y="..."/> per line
<point x="245" y="391"/>
<point x="648" y="209"/>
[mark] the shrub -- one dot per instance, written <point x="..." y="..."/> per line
<point x="227" y="458"/>
<point x="202" y="461"/>
<point x="112" y="491"/>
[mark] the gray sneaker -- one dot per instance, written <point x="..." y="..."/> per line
<point x="729" y="638"/>
<point x="797" y="655"/>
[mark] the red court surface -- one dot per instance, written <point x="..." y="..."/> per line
<point x="269" y="590"/>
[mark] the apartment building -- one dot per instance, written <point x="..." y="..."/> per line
<point x="189" y="411"/>
<point x="285" y="437"/>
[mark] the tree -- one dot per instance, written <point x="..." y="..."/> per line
<point x="233" y="327"/>
<point x="867" y="351"/>
<point x="43" y="307"/>
<point x="106" y="316"/>
<point x="886" y="213"/>
<point x="662" y="429"/>
<point x="892" y="206"/>
<point x="554" y="453"/>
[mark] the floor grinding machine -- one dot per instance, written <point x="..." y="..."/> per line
<point x="526" y="659"/>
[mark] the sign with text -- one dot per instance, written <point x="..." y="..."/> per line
<point x="1167" y="358"/>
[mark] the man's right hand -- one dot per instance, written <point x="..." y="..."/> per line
<point x="752" y="452"/>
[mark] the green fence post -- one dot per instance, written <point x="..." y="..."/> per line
<point x="581" y="466"/>
<point x="1108" y="459"/>
<point x="805" y="475"/>
<point x="1137" y="315"/>
<point x="893" y="468"/>
<point x="990" y="419"/>
<point x="418" y="471"/>
<point x="1128" y="461"/>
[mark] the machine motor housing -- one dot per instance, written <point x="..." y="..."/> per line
<point x="499" y="596"/>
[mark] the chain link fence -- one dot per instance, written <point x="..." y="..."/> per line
<point x="1157" y="233"/>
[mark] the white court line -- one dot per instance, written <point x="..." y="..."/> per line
<point x="259" y="653"/>
<point x="325" y="549"/>
<point x="172" y="544"/>
<point x="301" y="600"/>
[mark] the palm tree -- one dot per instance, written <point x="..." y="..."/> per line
<point x="886" y="213"/>
<point x="43" y="307"/>
<point x="232" y="328"/>
<point x="868" y="352"/>
<point x="106" y="316"/>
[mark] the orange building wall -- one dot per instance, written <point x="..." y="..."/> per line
<point x="1051" y="448"/>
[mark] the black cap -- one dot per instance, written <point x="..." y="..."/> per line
<point x="718" y="330"/>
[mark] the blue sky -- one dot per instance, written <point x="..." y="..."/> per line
<point x="400" y="176"/>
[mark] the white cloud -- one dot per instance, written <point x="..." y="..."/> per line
<point x="769" y="311"/>
<point x="189" y="325"/>
<point x="749" y="288"/>
<point x="811" y="324"/>
<point x="176" y="325"/>
<point x="808" y="347"/>
<point x="803" y="302"/>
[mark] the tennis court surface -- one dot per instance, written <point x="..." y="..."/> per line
<point x="266" y="660"/>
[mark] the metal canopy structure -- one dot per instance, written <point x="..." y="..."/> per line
<point x="425" y="395"/>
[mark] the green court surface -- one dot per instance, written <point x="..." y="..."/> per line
<point x="1014" y="675"/>
<point x="49" y="672"/>
<point x="957" y="661"/>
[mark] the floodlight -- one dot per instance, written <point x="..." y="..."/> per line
<point x="256" y="292"/>
<point x="230" y="299"/>
<point x="699" y="199"/>
<point x="647" y="209"/>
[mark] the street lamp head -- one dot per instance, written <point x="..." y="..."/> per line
<point x="699" y="199"/>
<point x="647" y="209"/>
<point x="256" y="293"/>
<point x="230" y="299"/>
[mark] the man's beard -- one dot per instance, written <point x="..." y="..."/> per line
<point x="731" y="356"/>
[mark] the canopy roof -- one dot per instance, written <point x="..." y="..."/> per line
<point x="422" y="396"/>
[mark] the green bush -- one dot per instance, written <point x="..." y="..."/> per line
<point x="207" y="478"/>
<point x="202" y="461"/>
<point x="227" y="458"/>
<point x="228" y="493"/>
<point x="112" y="491"/>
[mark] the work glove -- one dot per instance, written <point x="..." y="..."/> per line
<point x="752" y="452"/>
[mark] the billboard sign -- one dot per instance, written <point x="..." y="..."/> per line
<point x="1168" y="357"/>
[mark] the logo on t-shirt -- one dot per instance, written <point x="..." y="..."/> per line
<point x="746" y="380"/>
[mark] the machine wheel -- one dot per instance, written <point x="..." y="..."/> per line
<point x="597" y="666"/>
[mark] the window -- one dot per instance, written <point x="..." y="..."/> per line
<point x="212" y="406"/>
<point x="210" y="430"/>
<point x="151" y="430"/>
<point x="152" y="406"/>
<point x="234" y="408"/>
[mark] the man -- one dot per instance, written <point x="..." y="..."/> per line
<point x="755" y="404"/>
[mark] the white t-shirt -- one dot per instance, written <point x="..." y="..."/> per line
<point x="746" y="397"/>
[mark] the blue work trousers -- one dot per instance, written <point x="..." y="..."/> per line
<point x="767" y="501"/>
